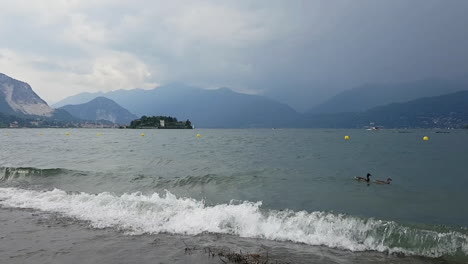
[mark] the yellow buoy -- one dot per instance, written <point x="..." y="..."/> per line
<point x="198" y="136"/>
<point x="142" y="134"/>
<point x="7" y="134"/>
<point x="40" y="134"/>
<point x="346" y="137"/>
<point x="99" y="134"/>
<point x="67" y="134"/>
<point x="425" y="138"/>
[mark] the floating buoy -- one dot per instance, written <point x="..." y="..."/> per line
<point x="67" y="134"/>
<point x="7" y="134"/>
<point x="425" y="138"/>
<point x="142" y="134"/>
<point x="99" y="134"/>
<point x="198" y="136"/>
<point x="346" y="137"/>
<point x="40" y="134"/>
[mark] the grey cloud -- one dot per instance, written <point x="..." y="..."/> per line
<point x="299" y="52"/>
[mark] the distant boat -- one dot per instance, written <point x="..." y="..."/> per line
<point x="374" y="128"/>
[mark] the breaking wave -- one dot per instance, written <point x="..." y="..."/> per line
<point x="137" y="214"/>
<point x="12" y="173"/>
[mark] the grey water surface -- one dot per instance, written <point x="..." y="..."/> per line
<point x="290" y="188"/>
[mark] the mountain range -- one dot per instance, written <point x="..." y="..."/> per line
<point x="444" y="111"/>
<point x="225" y="108"/>
<point x="101" y="109"/>
<point x="20" y="106"/>
<point x="407" y="105"/>
<point x="367" y="96"/>
<point x="220" y="108"/>
<point x="18" y="98"/>
<point x="18" y="102"/>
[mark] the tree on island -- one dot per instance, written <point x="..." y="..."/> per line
<point x="155" y="122"/>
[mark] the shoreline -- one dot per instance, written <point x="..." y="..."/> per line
<point x="31" y="236"/>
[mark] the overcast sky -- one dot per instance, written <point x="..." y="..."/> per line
<point x="295" y="51"/>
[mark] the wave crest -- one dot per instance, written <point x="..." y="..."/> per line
<point x="137" y="213"/>
<point x="10" y="173"/>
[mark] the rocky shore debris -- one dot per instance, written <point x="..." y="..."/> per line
<point x="227" y="255"/>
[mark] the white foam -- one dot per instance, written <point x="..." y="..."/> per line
<point x="137" y="213"/>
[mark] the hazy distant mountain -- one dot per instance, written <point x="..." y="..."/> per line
<point x="78" y="99"/>
<point x="450" y="110"/>
<point x="367" y="96"/>
<point x="101" y="108"/>
<point x="222" y="108"/>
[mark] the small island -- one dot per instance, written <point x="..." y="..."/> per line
<point x="160" y="122"/>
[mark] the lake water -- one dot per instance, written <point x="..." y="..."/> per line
<point x="290" y="192"/>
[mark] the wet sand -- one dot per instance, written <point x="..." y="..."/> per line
<point x="28" y="236"/>
<point x="31" y="237"/>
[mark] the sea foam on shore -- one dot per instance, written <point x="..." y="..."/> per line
<point x="142" y="214"/>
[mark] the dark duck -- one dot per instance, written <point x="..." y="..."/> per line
<point x="367" y="179"/>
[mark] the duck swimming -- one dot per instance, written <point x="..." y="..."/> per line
<point x="364" y="179"/>
<point x="388" y="181"/>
